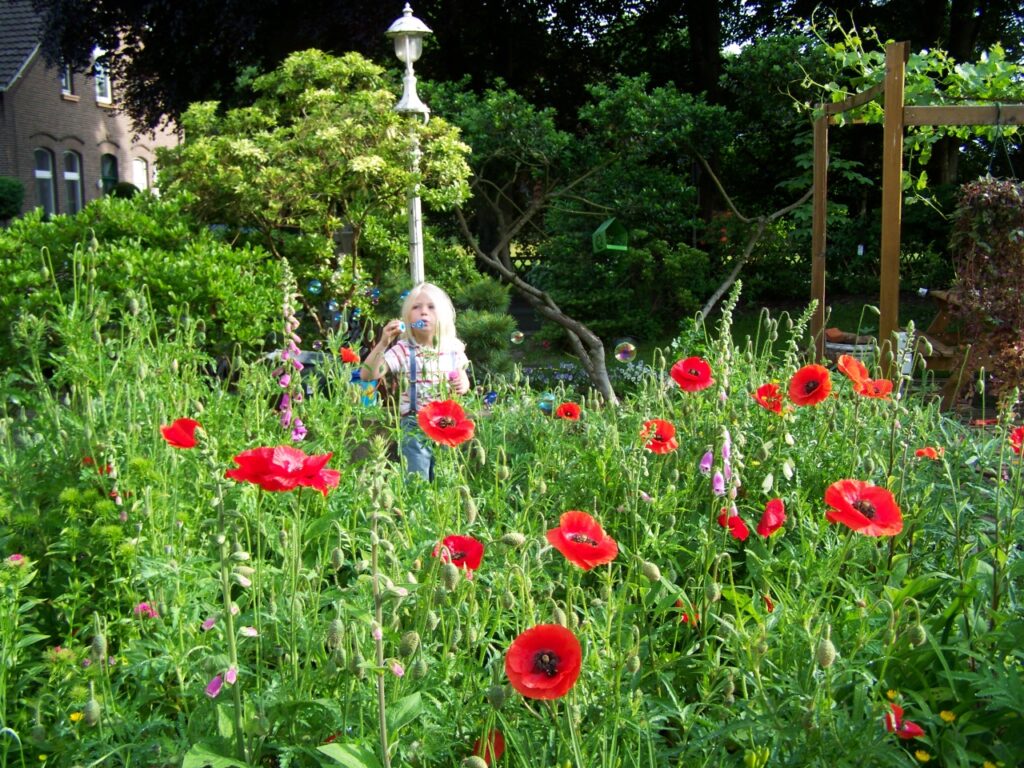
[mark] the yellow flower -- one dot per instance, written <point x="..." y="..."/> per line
<point x="76" y="716"/>
<point x="892" y="695"/>
<point x="987" y="764"/>
<point x="922" y="756"/>
<point x="947" y="716"/>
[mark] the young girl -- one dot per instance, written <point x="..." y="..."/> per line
<point x="429" y="358"/>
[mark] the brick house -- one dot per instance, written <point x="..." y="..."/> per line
<point x="61" y="133"/>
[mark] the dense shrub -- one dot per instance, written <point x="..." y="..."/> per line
<point x="12" y="195"/>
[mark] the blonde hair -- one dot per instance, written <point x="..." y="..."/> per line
<point x="445" y="336"/>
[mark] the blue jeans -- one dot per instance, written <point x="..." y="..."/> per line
<point x="416" y="449"/>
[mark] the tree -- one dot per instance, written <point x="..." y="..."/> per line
<point x="321" y="148"/>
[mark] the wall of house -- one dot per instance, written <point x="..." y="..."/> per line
<point x="36" y="114"/>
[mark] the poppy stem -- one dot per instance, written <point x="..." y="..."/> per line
<point x="378" y="642"/>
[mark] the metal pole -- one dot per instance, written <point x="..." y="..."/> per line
<point x="416" y="270"/>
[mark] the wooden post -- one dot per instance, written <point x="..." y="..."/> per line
<point x="892" y="200"/>
<point x="818" y="237"/>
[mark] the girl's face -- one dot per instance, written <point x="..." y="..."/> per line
<point x="422" y="317"/>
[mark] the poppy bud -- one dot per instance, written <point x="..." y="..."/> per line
<point x="542" y="487"/>
<point x="496" y="696"/>
<point x="502" y="472"/>
<point x="670" y="522"/>
<point x="508" y="600"/>
<point x="474" y="761"/>
<point x="917" y="635"/>
<point x="712" y="592"/>
<point x="673" y="476"/>
<point x="513" y="539"/>
<point x="432" y="620"/>
<point x="410" y="642"/>
<point x="337" y="558"/>
<point x="355" y="664"/>
<point x="479" y="454"/>
<point x="633" y="664"/>
<point x="335" y="633"/>
<point x="98" y="649"/>
<point x="133" y="307"/>
<point x="450" y="576"/>
<point x="825" y="654"/>
<point x="559" y="616"/>
<point x="418" y="669"/>
<point x="869" y="465"/>
<point x="91" y="712"/>
<point x="651" y="571"/>
<point x="730" y="688"/>
<point x="761" y="648"/>
<point x="282" y="538"/>
<point x="38" y="733"/>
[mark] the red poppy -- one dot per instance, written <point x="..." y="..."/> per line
<point x="880" y="388"/>
<point x="692" y="374"/>
<point x="810" y="385"/>
<point x="769" y="604"/>
<point x="569" y="411"/>
<point x="769" y="396"/>
<point x="181" y="434"/>
<point x="894" y="723"/>
<point x="863" y="507"/>
<point x="737" y="528"/>
<point x="686" y="618"/>
<point x="283" y="468"/>
<point x="349" y="355"/>
<point x="1017" y="440"/>
<point x="853" y="369"/>
<point x="544" y="662"/>
<point x="928" y="452"/>
<point x="89" y="461"/>
<point x="772" y="519"/>
<point x="463" y="551"/>
<point x="491" y="747"/>
<point x="444" y="422"/>
<point x="661" y="436"/>
<point x="582" y="540"/>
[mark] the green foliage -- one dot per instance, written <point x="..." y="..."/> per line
<point x="141" y="255"/>
<point x="12" y="195"/>
<point x="485" y="325"/>
<point x="320" y="148"/>
<point x="124" y="190"/>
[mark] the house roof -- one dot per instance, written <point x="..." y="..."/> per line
<point x="19" y="38"/>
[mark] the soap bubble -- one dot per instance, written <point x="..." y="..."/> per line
<point x="317" y="345"/>
<point x="401" y="327"/>
<point x="336" y="318"/>
<point x="314" y="287"/>
<point x="491" y="398"/>
<point x="625" y="351"/>
<point x="546" y="402"/>
<point x="517" y="337"/>
<point x="419" y="324"/>
<point x="332" y="305"/>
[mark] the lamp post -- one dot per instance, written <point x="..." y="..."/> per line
<point x="408" y="33"/>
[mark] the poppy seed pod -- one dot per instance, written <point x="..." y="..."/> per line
<point x="91" y="712"/>
<point x="474" y="761"/>
<point x="651" y="571"/>
<point x="917" y="635"/>
<point x="450" y="576"/>
<point x="410" y="642"/>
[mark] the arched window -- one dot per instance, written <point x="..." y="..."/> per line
<point x="44" y="181"/>
<point x="108" y="172"/>
<point x="140" y="173"/>
<point x="73" y="181"/>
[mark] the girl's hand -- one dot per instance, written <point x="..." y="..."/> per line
<point x="392" y="331"/>
<point x="460" y="383"/>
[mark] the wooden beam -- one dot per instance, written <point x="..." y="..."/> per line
<point x="1010" y="114"/>
<point x="818" y="237"/>
<point x="837" y="107"/>
<point x="892" y="200"/>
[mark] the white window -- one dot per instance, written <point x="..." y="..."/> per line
<point x="101" y="74"/>
<point x="67" y="80"/>
<point x="44" y="181"/>
<point x="140" y="173"/>
<point x="73" y="181"/>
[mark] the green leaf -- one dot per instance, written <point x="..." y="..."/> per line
<point x="350" y="755"/>
<point x="204" y="755"/>
<point x="404" y="712"/>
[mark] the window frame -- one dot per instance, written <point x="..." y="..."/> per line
<point x="74" y="188"/>
<point x="44" y="180"/>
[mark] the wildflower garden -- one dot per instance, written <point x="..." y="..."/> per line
<point x="211" y="555"/>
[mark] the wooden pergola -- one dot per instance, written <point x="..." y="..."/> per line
<point x="896" y="117"/>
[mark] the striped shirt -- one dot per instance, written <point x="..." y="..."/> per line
<point x="432" y="368"/>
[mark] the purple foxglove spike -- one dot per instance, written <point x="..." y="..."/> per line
<point x="718" y="484"/>
<point x="706" y="462"/>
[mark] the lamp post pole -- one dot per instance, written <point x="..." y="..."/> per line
<point x="408" y="32"/>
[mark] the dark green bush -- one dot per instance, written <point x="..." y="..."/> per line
<point x="124" y="190"/>
<point x="12" y="195"/>
<point x="485" y="325"/>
